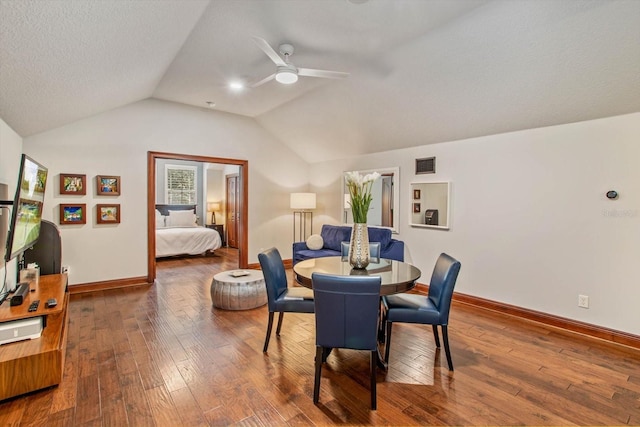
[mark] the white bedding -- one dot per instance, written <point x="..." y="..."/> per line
<point x="186" y="241"/>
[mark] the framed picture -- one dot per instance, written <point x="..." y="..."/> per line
<point x="416" y="194"/>
<point x="108" y="185"/>
<point x="416" y="207"/>
<point x="73" y="184"/>
<point x="73" y="214"/>
<point x="108" y="214"/>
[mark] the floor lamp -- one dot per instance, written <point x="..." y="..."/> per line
<point x="301" y="203"/>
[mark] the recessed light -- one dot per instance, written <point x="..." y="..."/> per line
<point x="211" y="104"/>
<point x="236" y="85"/>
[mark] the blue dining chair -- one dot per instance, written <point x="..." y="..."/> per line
<point x="374" y="251"/>
<point x="430" y="310"/>
<point x="280" y="297"/>
<point x="346" y="310"/>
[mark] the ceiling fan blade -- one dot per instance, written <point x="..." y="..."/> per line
<point x="263" y="81"/>
<point x="266" y="48"/>
<point x="310" y="72"/>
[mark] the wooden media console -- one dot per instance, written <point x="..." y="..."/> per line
<point x="37" y="363"/>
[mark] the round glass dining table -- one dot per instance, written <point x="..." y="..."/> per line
<point x="396" y="276"/>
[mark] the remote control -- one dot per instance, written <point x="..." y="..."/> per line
<point x="51" y="302"/>
<point x="34" y="305"/>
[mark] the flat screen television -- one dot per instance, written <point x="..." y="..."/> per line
<point x="26" y="216"/>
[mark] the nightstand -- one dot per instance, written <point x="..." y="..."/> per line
<point x="220" y="229"/>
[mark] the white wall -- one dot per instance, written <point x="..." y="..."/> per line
<point x="117" y="142"/>
<point x="10" y="152"/>
<point x="529" y="218"/>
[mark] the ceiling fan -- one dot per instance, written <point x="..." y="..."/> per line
<point x="286" y="72"/>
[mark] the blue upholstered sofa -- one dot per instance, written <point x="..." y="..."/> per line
<point x="334" y="235"/>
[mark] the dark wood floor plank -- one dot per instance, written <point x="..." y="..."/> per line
<point x="162" y="355"/>
<point x="88" y="406"/>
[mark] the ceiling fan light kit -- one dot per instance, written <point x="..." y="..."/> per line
<point x="286" y="72"/>
<point x="286" y="75"/>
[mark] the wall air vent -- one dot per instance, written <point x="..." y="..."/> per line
<point x="426" y="165"/>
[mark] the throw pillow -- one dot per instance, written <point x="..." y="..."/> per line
<point x="181" y="219"/>
<point x="315" y="242"/>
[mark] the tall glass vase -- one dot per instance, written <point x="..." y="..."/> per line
<point x="359" y="246"/>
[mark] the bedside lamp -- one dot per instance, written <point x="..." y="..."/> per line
<point x="213" y="207"/>
<point x="301" y="203"/>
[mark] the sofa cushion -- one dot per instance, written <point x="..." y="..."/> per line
<point x="308" y="254"/>
<point x="334" y="235"/>
<point x="382" y="235"/>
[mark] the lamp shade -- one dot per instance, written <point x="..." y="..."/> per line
<point x="303" y="200"/>
<point x="215" y="206"/>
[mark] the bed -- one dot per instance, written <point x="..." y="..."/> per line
<point x="178" y="234"/>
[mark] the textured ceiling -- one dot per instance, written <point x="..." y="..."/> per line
<point x="421" y="71"/>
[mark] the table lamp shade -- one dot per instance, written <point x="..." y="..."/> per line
<point x="303" y="200"/>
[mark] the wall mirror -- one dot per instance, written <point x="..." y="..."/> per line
<point x="430" y="204"/>
<point x="384" y="208"/>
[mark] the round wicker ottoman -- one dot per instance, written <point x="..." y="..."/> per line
<point x="238" y="290"/>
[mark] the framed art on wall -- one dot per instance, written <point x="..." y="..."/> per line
<point x="416" y="194"/>
<point x="108" y="185"/>
<point x="416" y="207"/>
<point x="73" y="184"/>
<point x="108" y="214"/>
<point x="73" y="214"/>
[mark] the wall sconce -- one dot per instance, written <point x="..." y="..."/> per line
<point x="213" y="207"/>
<point x="301" y="203"/>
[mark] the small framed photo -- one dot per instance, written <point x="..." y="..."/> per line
<point x="73" y="214"/>
<point x="416" y="207"/>
<point x="108" y="185"/>
<point x="108" y="214"/>
<point x="416" y="194"/>
<point x="73" y="184"/>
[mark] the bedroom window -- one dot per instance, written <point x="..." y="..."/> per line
<point x="180" y="185"/>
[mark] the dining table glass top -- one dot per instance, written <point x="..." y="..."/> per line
<point x="397" y="276"/>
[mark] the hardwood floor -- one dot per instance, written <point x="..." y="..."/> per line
<point x="163" y="356"/>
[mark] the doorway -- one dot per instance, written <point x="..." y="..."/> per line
<point x="241" y="204"/>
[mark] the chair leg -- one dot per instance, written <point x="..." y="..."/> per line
<point x="436" y="336"/>
<point x="445" y="338"/>
<point x="316" y="383"/>
<point x="280" y="317"/>
<point x="387" y="346"/>
<point x="373" y="362"/>
<point x="269" y="326"/>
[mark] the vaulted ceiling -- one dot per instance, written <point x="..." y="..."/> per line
<point x="421" y="71"/>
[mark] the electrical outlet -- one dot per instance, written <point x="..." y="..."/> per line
<point x="65" y="269"/>
<point x="583" y="301"/>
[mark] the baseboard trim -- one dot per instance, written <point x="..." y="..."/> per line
<point x="563" y="323"/>
<point x="256" y="266"/>
<point x="108" y="284"/>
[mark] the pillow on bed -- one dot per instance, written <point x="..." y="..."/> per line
<point x="159" y="219"/>
<point x="181" y="219"/>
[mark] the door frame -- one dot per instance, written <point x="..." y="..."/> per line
<point x="243" y="239"/>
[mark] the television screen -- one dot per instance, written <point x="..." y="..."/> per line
<point x="27" y="207"/>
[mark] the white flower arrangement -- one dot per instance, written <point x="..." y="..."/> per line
<point x="360" y="191"/>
